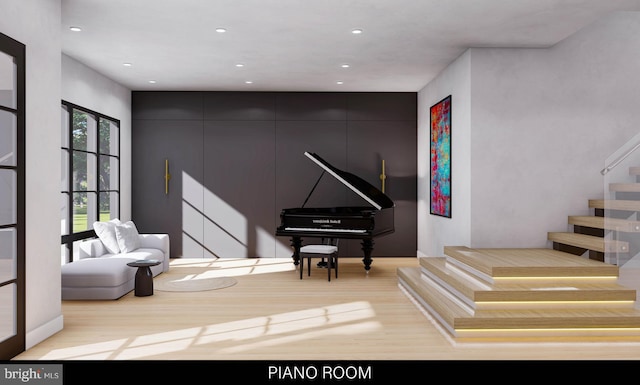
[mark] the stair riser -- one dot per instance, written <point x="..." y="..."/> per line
<point x="588" y="243"/>
<point x="588" y="231"/>
<point x="627" y="195"/>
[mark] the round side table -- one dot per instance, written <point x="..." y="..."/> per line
<point x="144" y="276"/>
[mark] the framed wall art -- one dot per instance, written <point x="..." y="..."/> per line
<point x="440" y="158"/>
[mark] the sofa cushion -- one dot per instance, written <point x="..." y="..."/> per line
<point x="91" y="248"/>
<point x="97" y="272"/>
<point x="138" y="254"/>
<point x="127" y="236"/>
<point x="106" y="231"/>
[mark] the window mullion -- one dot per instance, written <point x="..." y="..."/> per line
<point x="97" y="170"/>
<point x="70" y="180"/>
<point x="89" y="148"/>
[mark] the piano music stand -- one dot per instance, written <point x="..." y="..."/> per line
<point x="328" y="249"/>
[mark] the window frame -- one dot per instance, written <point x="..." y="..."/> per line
<point x="15" y="344"/>
<point x="71" y="237"/>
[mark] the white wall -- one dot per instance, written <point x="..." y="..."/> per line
<point x="542" y="123"/>
<point x="435" y="232"/>
<point x="85" y="87"/>
<point x="41" y="36"/>
<point x="49" y="79"/>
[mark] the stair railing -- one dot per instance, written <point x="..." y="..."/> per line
<point x="619" y="160"/>
<point x="617" y="170"/>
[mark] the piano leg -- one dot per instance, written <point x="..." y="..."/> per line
<point x="367" y="247"/>
<point x="296" y="243"/>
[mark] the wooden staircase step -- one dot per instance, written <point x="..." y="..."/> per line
<point x="624" y="205"/>
<point x="470" y="308"/>
<point x="505" y="263"/>
<point x="624" y="187"/>
<point x="634" y="170"/>
<point x="558" y="319"/>
<point x="556" y="291"/>
<point x="458" y="280"/>
<point x="589" y="242"/>
<point x="441" y="306"/>
<point x="463" y="322"/>
<point x="616" y="224"/>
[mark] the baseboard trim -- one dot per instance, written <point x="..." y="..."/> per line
<point x="43" y="332"/>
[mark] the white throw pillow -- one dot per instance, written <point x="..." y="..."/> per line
<point x="128" y="237"/>
<point x="106" y="231"/>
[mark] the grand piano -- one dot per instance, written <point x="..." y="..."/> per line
<point x="349" y="222"/>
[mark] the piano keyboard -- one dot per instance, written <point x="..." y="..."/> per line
<point x="356" y="231"/>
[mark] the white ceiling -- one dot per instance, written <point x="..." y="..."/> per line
<point x="300" y="45"/>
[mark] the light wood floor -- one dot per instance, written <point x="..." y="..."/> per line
<point x="270" y="314"/>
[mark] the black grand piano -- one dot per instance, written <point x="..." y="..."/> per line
<point x="349" y="222"/>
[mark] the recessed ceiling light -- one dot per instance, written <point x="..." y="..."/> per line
<point x="152" y="81"/>
<point x="249" y="82"/>
<point x="221" y="30"/>
<point x="339" y="82"/>
<point x="239" y="65"/>
<point x="75" y="29"/>
<point x="356" y="31"/>
<point x="127" y="64"/>
<point x="345" y="65"/>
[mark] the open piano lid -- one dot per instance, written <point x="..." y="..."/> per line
<point x="361" y="187"/>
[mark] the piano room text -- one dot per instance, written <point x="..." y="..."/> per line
<point x="319" y="372"/>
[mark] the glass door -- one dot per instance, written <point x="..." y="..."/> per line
<point x="12" y="254"/>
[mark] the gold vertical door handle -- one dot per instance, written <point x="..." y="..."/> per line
<point x="167" y="176"/>
<point x="383" y="177"/>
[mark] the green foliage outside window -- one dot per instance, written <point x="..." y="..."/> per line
<point x="80" y="133"/>
<point x="80" y="219"/>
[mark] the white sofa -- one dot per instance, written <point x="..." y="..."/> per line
<point x="101" y="275"/>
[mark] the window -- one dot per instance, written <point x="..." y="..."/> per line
<point x="12" y="197"/>
<point x="90" y="182"/>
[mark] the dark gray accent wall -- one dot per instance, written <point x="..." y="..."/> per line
<point x="154" y="141"/>
<point x="167" y="105"/>
<point x="243" y="153"/>
<point x="239" y="181"/>
<point x="239" y="106"/>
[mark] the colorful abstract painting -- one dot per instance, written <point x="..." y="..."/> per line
<point x="441" y="158"/>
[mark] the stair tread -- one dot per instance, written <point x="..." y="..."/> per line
<point x="624" y="187"/>
<point x="491" y="263"/>
<point x="634" y="170"/>
<point x="474" y="290"/>
<point x="615" y="204"/>
<point x="589" y="242"/>
<point x="617" y="224"/>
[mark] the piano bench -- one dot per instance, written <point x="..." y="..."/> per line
<point x="330" y="252"/>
